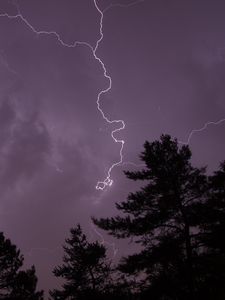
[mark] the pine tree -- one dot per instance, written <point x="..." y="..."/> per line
<point x="212" y="239"/>
<point x="214" y="215"/>
<point x="15" y="284"/>
<point x="86" y="270"/>
<point x="163" y="217"/>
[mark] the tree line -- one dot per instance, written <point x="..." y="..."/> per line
<point x="177" y="218"/>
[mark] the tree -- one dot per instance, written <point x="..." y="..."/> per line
<point x="16" y="284"/>
<point x="213" y="219"/>
<point x="212" y="239"/>
<point x="86" y="270"/>
<point x="163" y="217"/>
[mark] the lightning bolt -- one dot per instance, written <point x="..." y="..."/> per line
<point x="101" y="185"/>
<point x="201" y="129"/>
<point x="107" y="181"/>
<point x="104" y="242"/>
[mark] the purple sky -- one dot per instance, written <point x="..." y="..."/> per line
<point x="167" y="64"/>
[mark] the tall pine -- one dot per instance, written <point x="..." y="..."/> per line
<point x="163" y="217"/>
<point x="212" y="239"/>
<point x="85" y="269"/>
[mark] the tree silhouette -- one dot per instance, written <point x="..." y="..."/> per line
<point x="214" y="214"/>
<point x="86" y="270"/>
<point x="211" y="238"/>
<point x="164" y="218"/>
<point x="15" y="284"/>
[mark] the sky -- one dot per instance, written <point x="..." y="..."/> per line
<point x="68" y="68"/>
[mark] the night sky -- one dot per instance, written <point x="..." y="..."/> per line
<point x="166" y="59"/>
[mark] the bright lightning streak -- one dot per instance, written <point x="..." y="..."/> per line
<point x="200" y="130"/>
<point x="104" y="242"/>
<point x="101" y="185"/>
<point x="43" y="32"/>
<point x="107" y="181"/>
